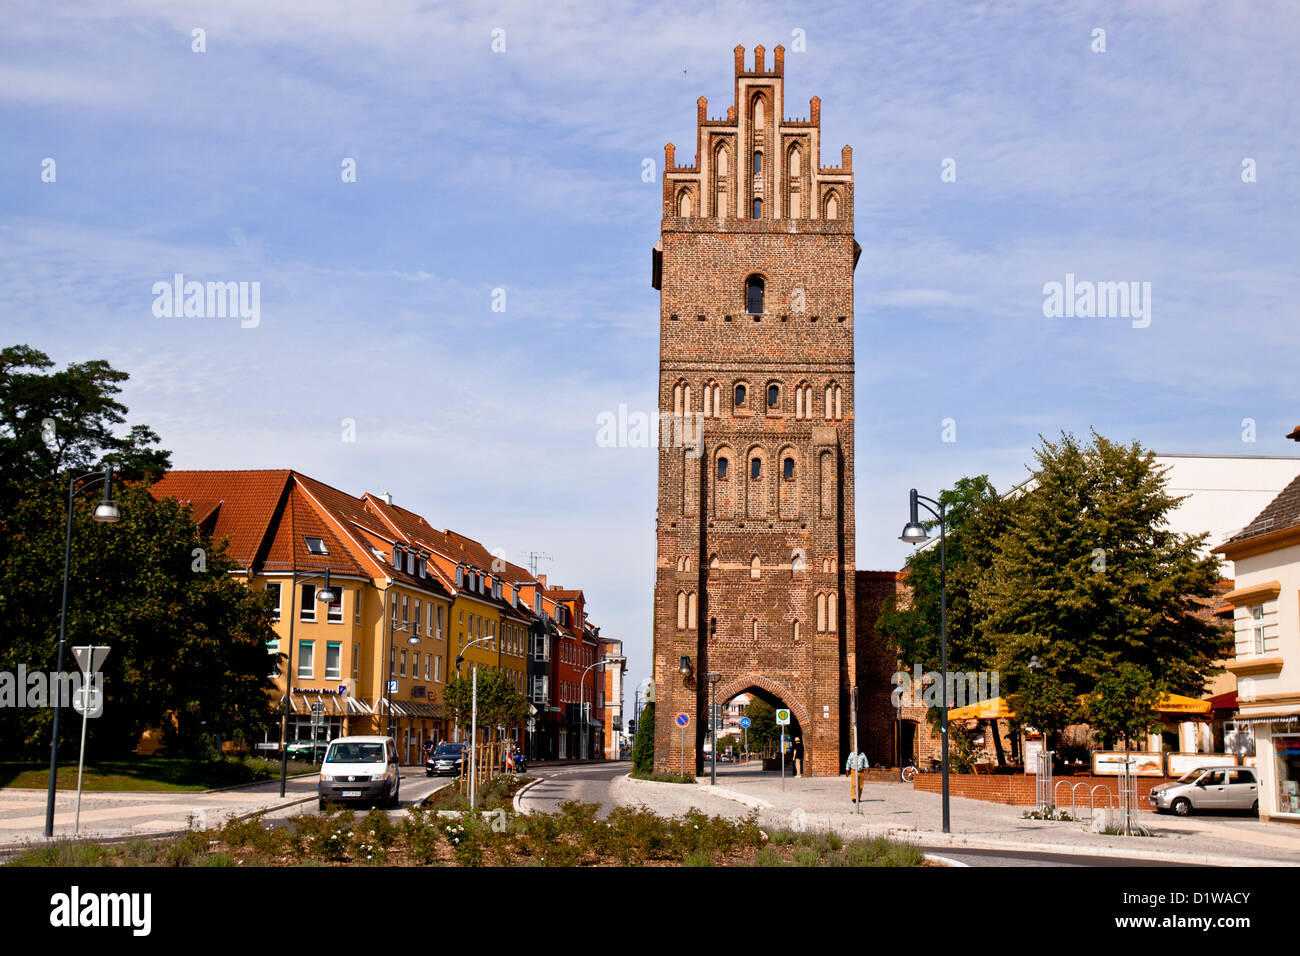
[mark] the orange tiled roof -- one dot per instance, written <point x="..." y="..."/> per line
<point x="245" y="503"/>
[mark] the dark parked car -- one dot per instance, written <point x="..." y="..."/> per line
<point x="446" y="759"/>
<point x="312" y="752"/>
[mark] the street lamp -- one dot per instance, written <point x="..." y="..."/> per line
<point x="714" y="677"/>
<point x="582" y="696"/>
<point x="473" y="714"/>
<point x="324" y="596"/>
<point x="914" y="533"/>
<point x="105" y="512"/>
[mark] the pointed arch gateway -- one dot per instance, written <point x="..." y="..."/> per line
<point x="768" y="689"/>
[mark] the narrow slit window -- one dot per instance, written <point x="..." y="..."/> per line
<point x="754" y="294"/>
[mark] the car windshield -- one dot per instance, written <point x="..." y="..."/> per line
<point x="448" y="750"/>
<point x="355" y="753"/>
<point x="1191" y="775"/>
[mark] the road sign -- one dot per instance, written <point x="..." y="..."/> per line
<point x="783" y="717"/>
<point x="744" y="721"/>
<point x="89" y="656"/>
<point x="88" y="701"/>
<point x="392" y="687"/>
<point x="317" y="707"/>
<point x="683" y="720"/>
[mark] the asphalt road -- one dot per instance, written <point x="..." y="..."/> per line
<point x="586" y="784"/>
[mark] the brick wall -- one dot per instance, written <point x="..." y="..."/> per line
<point x="741" y="559"/>
<point x="1018" y="789"/>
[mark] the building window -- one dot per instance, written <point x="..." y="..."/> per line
<point x="274" y="591"/>
<point x="788" y="468"/>
<point x="306" y="660"/>
<point x="333" y="660"/>
<point x="756" y="468"/>
<point x="315" y="545"/>
<point x="438" y="633"/>
<point x="1257" y="627"/>
<point x="773" y="396"/>
<point x="428" y="666"/>
<point x="758" y="214"/>
<point x="273" y="648"/>
<point x="308" y="609"/>
<point x="754" y="292"/>
<point x="335" y="613"/>
<point x="406" y="609"/>
<point x="356" y="660"/>
<point x="419" y="616"/>
<point x="755" y="568"/>
<point x="356" y="609"/>
<point x="758" y="162"/>
<point x="402" y="668"/>
<point x="392" y="662"/>
<point x="722" y="469"/>
<point x="437" y="669"/>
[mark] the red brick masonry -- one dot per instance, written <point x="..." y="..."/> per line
<point x="1018" y="789"/>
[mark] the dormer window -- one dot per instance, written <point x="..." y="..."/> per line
<point x="315" y="545"/>
<point x="460" y="576"/>
<point x="754" y="286"/>
<point x="397" y="557"/>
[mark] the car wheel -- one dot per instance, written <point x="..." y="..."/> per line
<point x="428" y="773"/>
<point x="1254" y="808"/>
<point x="1182" y="806"/>
<point x="322" y="804"/>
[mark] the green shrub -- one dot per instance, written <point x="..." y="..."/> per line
<point x="697" y="859"/>
<point x="643" y="748"/>
<point x="63" y="853"/>
<point x="420" y="828"/>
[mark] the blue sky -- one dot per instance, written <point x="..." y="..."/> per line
<point x="522" y="170"/>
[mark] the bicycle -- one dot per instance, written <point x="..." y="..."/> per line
<point x="908" y="773"/>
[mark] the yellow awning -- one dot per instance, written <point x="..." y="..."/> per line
<point x="995" y="709"/>
<point x="1178" y="704"/>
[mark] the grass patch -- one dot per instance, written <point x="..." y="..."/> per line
<point x="663" y="777"/>
<point x="497" y="794"/>
<point x="150" y="774"/>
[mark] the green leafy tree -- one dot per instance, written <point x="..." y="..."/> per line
<point x="977" y="516"/>
<point x="188" y="639"/>
<point x="499" y="703"/>
<point x="1122" y="705"/>
<point x="643" y="747"/>
<point x="1088" y="576"/>
<point x="61" y="422"/>
<point x="763" y="731"/>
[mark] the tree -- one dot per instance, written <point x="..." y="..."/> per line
<point x="1122" y="705"/>
<point x="643" y="747"/>
<point x="56" y="423"/>
<point x="499" y="703"/>
<point x="977" y="516"/>
<point x="188" y="638"/>
<point x="763" y="731"/>
<point x="1088" y="576"/>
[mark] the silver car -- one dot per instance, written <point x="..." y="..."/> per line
<point x="1208" y="788"/>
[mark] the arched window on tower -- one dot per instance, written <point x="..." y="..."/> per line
<point x="722" y="469"/>
<point x="787" y="469"/>
<point x="758" y="209"/>
<point x="756" y="467"/>
<point x="740" y="396"/>
<point x="754" y="293"/>
<point x="755" y="568"/>
<point x="773" y="396"/>
<point x="758" y="161"/>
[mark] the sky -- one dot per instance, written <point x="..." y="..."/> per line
<point x="379" y="363"/>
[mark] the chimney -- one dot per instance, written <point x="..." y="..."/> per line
<point x="388" y="497"/>
<point x="541" y="579"/>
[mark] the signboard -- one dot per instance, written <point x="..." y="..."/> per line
<point x="1033" y="747"/>
<point x="89" y="657"/>
<point x="1142" y="763"/>
<point x="1181" y="763"/>
<point x="782" y="717"/>
<point x="88" y="701"/>
<point x="683" y="720"/>
<point x="392" y="687"/>
<point x="744" y="721"/>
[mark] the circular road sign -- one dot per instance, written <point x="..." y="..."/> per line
<point x="783" y="717"/>
<point x="683" y="720"/>
<point x="744" y="721"/>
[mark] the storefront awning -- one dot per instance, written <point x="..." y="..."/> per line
<point x="332" y="705"/>
<point x="422" y="709"/>
<point x="997" y="709"/>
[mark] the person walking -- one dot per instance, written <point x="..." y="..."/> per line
<point x="856" y="763"/>
<point x="797" y="753"/>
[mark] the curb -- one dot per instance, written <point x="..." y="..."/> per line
<point x="946" y="860"/>
<point x="518" y="803"/>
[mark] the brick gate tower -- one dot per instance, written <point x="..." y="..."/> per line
<point x="754" y="575"/>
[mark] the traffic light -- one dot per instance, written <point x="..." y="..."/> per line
<point x="631" y="728"/>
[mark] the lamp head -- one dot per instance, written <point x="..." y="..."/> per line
<point x="686" y="664"/>
<point x="913" y="532"/>
<point x="326" y="594"/>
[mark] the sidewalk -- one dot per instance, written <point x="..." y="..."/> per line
<point x="896" y="810"/>
<point x="139" y="813"/>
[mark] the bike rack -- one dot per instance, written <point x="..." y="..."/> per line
<point x="1056" y="789"/>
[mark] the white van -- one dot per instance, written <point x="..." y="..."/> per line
<point x="360" y="769"/>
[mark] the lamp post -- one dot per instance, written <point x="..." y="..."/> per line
<point x="714" y="677"/>
<point x="473" y="715"/>
<point x="107" y="513"/>
<point x="324" y="596"/>
<point x="914" y="533"/>
<point x="582" y="695"/>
